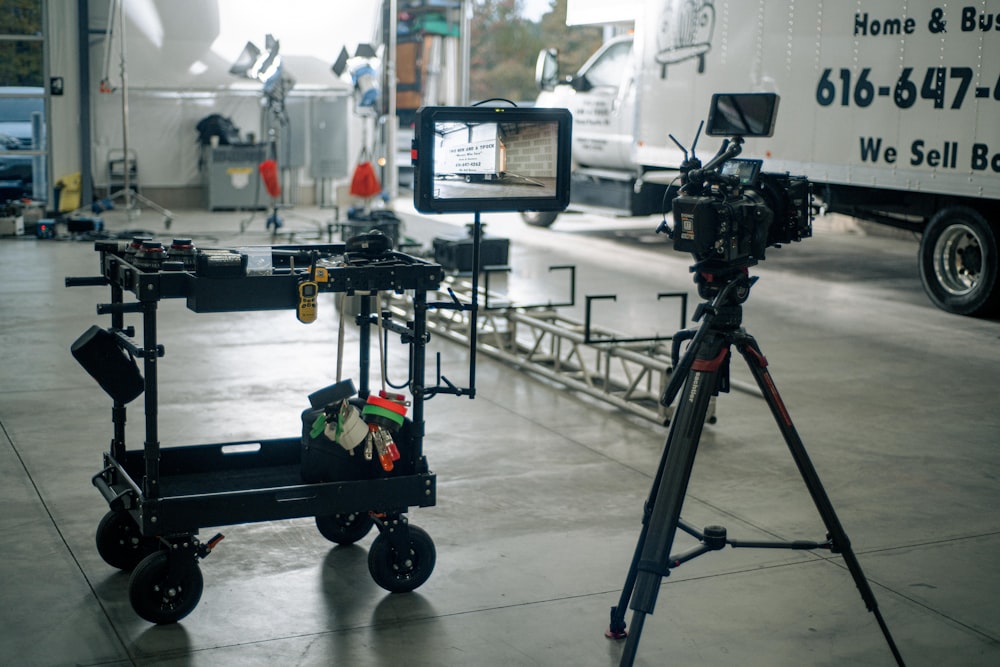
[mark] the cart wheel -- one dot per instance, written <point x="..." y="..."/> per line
<point x="402" y="573"/>
<point x="120" y="543"/>
<point x="346" y="528"/>
<point x="158" y="601"/>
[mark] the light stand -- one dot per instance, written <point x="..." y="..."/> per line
<point x="363" y="70"/>
<point x="277" y="123"/>
<point x="280" y="149"/>
<point x="267" y="68"/>
<point x="130" y="197"/>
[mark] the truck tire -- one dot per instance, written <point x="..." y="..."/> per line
<point x="958" y="262"/>
<point x="539" y="218"/>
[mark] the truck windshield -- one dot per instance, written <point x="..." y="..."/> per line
<point x="607" y="69"/>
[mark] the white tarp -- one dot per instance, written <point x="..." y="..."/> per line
<point x="178" y="55"/>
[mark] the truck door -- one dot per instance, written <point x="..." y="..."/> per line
<point x="603" y="106"/>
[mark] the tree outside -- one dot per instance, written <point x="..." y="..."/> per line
<point x="505" y="47"/>
<point x="20" y="59"/>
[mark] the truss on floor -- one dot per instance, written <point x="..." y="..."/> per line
<point x="627" y="373"/>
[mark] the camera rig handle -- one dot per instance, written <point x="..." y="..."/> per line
<point x="730" y="148"/>
<point x="690" y="161"/>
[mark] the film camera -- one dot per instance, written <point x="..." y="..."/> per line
<point x="728" y="212"/>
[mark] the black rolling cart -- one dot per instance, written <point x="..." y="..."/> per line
<point x="159" y="497"/>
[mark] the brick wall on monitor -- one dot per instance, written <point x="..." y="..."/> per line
<point x="531" y="150"/>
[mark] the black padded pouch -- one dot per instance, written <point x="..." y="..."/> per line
<point x="113" y="368"/>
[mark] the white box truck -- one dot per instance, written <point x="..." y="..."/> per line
<point x="891" y="109"/>
<point x="471" y="159"/>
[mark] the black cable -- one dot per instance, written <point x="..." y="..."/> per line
<point x="494" y="99"/>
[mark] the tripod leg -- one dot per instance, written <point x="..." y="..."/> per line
<point x="685" y="432"/>
<point x="616" y="629"/>
<point x="682" y="367"/>
<point x="841" y="544"/>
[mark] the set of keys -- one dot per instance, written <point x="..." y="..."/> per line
<point x="375" y="425"/>
<point x="385" y="414"/>
<point x="380" y="440"/>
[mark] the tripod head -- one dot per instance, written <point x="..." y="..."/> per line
<point x="715" y="280"/>
<point x="724" y="292"/>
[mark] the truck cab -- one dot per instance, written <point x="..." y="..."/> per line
<point x="601" y="97"/>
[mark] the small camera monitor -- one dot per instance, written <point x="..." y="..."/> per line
<point x="742" y="114"/>
<point x="477" y="159"/>
<point x="747" y="171"/>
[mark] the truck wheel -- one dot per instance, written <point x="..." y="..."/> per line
<point x="539" y="218"/>
<point x="958" y="262"/>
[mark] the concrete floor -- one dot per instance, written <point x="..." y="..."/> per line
<point x="540" y="491"/>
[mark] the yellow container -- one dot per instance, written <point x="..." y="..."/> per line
<point x="69" y="187"/>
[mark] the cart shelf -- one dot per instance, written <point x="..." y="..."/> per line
<point x="243" y="482"/>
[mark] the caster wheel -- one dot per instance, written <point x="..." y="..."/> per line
<point x="402" y="572"/>
<point x="539" y="218"/>
<point x="157" y="599"/>
<point x="346" y="528"/>
<point x="120" y="543"/>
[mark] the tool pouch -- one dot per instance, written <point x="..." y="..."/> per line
<point x="114" y="369"/>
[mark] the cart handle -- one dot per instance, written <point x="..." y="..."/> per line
<point x="89" y="281"/>
<point x="112" y="308"/>
<point x="124" y="342"/>
<point x="116" y="501"/>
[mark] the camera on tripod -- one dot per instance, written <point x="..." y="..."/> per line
<point x="728" y="212"/>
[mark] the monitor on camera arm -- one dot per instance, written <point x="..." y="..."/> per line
<point x="742" y="115"/>
<point x="487" y="158"/>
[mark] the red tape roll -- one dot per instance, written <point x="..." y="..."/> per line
<point x="386" y="404"/>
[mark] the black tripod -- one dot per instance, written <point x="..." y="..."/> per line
<point x="704" y="371"/>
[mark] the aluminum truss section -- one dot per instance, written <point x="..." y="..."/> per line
<point x="627" y="373"/>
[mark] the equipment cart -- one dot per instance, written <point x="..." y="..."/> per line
<point x="159" y="497"/>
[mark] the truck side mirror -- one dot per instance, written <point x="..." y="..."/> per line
<point x="547" y="69"/>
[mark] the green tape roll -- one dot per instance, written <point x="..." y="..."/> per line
<point x="395" y="417"/>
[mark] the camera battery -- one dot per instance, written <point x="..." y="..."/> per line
<point x="220" y="264"/>
<point x="79" y="224"/>
<point x="456" y="254"/>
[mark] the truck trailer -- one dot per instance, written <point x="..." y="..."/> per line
<point x="891" y="110"/>
<point x="472" y="160"/>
